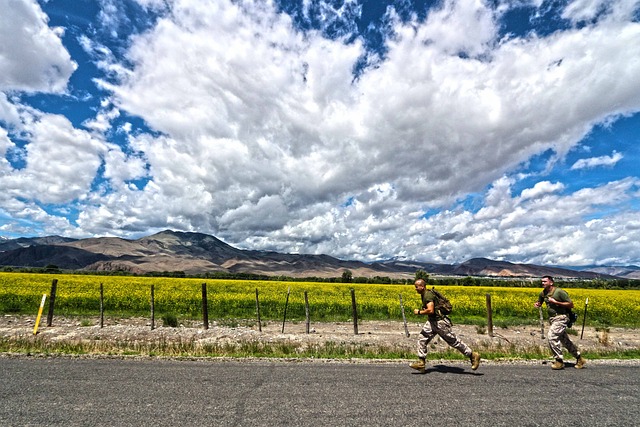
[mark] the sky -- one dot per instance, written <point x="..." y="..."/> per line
<point x="433" y="131"/>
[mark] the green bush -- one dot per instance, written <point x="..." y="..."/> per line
<point x="170" y="319"/>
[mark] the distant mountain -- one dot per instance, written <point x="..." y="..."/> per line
<point x="25" y="242"/>
<point x="490" y="268"/>
<point x="626" y="272"/>
<point x="196" y="253"/>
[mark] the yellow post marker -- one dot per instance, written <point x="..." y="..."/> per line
<point x="35" y="328"/>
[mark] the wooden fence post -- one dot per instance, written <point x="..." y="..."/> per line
<point x="153" y="309"/>
<point x="404" y="318"/>
<point x="101" y="305"/>
<point x="286" y="303"/>
<point x="52" y="300"/>
<point x="205" y="309"/>
<point x="258" y="311"/>
<point x="306" y="310"/>
<point x="354" y="312"/>
<point x="489" y="316"/>
<point x="584" y="316"/>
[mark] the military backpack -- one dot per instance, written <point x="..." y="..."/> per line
<point x="441" y="304"/>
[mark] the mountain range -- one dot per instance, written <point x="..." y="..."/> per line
<point x="197" y="253"/>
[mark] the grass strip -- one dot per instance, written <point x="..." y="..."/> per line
<point x="191" y="348"/>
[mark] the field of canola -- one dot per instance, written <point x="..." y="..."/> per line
<point x="130" y="296"/>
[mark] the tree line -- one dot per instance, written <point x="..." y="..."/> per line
<point x="348" y="277"/>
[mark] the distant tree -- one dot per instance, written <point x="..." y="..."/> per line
<point x="51" y="268"/>
<point x="347" y="276"/>
<point x="421" y="274"/>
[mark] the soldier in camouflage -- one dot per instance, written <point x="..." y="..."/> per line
<point x="437" y="324"/>
<point x="558" y="307"/>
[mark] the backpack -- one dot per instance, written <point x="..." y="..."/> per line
<point x="441" y="303"/>
<point x="573" y="317"/>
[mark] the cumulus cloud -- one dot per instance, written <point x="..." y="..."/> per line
<point x="35" y="60"/>
<point x="61" y="162"/>
<point x="550" y="229"/>
<point x="261" y="133"/>
<point x="540" y="189"/>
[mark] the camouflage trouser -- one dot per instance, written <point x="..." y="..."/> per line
<point x="441" y="328"/>
<point x="558" y="337"/>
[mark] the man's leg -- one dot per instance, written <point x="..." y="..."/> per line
<point x="426" y="335"/>
<point x="444" y="330"/>
<point x="556" y="331"/>
<point x="571" y="348"/>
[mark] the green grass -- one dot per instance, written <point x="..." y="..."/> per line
<point x="162" y="347"/>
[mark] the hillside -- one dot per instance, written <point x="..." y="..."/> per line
<point x="197" y="253"/>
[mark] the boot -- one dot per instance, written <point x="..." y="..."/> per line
<point x="475" y="360"/>
<point x="419" y="365"/>
<point x="557" y="365"/>
<point x="580" y="362"/>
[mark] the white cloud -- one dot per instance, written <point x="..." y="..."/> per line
<point x="590" y="10"/>
<point x="465" y="26"/>
<point x="8" y="111"/>
<point x="550" y="229"/>
<point x="597" y="161"/>
<point x="540" y="189"/>
<point x="260" y="133"/>
<point x="61" y="162"/>
<point x="35" y="60"/>
<point x="120" y="168"/>
<point x="420" y="108"/>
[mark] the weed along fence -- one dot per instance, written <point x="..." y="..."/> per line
<point x="195" y="299"/>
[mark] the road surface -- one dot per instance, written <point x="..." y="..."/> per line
<point x="152" y="392"/>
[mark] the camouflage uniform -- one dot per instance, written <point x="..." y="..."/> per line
<point x="441" y="326"/>
<point x="558" y="318"/>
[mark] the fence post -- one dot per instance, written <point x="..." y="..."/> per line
<point x="52" y="300"/>
<point x="286" y="303"/>
<point x="354" y="312"/>
<point x="101" y="305"/>
<point x="584" y="316"/>
<point x="258" y="311"/>
<point x="205" y="309"/>
<point x="153" y="309"/>
<point x="35" y="328"/>
<point x="489" y="316"/>
<point x="404" y="318"/>
<point x="541" y="322"/>
<point x="306" y="310"/>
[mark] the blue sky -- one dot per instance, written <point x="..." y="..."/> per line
<point x="426" y="130"/>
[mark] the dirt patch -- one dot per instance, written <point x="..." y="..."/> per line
<point x="390" y="334"/>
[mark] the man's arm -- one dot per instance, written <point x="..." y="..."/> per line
<point x="429" y="309"/>
<point x="540" y="300"/>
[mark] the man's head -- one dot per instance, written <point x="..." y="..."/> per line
<point x="547" y="281"/>
<point x="420" y="285"/>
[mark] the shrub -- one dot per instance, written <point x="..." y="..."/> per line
<point x="170" y="319"/>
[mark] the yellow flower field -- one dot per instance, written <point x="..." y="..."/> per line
<point x="127" y="296"/>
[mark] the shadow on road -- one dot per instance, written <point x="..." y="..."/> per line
<point x="448" y="370"/>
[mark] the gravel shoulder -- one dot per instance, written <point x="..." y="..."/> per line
<point x="390" y="334"/>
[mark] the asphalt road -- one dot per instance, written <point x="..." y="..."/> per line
<point x="116" y="392"/>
